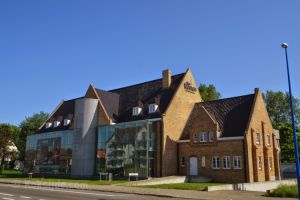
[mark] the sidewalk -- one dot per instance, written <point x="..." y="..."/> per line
<point x="183" y="194"/>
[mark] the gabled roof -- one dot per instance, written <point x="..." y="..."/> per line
<point x="110" y="102"/>
<point x="65" y="111"/>
<point x="231" y="114"/>
<point x="119" y="102"/>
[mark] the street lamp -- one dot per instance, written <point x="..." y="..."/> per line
<point x="285" y="46"/>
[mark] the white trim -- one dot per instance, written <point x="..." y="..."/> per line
<point x="182" y="141"/>
<point x="49" y="117"/>
<point x="238" y="160"/>
<point x="136" y="111"/>
<point x="231" y="138"/>
<point x="152" y="108"/>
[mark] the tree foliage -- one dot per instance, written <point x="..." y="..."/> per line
<point x="6" y="140"/>
<point x="278" y="106"/>
<point x="286" y="142"/>
<point x="27" y="127"/>
<point x="209" y="93"/>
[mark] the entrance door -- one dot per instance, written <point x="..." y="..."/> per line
<point x="193" y="166"/>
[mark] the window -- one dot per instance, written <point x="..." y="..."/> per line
<point x="152" y="108"/>
<point x="56" y="124"/>
<point x="270" y="163"/>
<point x="48" y="124"/>
<point x="203" y="161"/>
<point x="211" y="137"/>
<point x="48" y="151"/>
<point x="182" y="162"/>
<point x="237" y="162"/>
<point x="226" y="162"/>
<point x="257" y="138"/>
<point x="268" y="140"/>
<point x="203" y="137"/>
<point x="136" y="111"/>
<point x="259" y="163"/>
<point x="216" y="162"/>
<point x="195" y="137"/>
<point x="67" y="122"/>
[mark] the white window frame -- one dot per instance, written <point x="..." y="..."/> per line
<point x="203" y="161"/>
<point x="203" y="137"/>
<point x="152" y="108"/>
<point x="48" y="125"/>
<point x="268" y="140"/>
<point x="136" y="111"/>
<point x="211" y="136"/>
<point x="56" y="124"/>
<point x="237" y="162"/>
<point x="270" y="163"/>
<point x="67" y="122"/>
<point x="259" y="162"/>
<point x="216" y="162"/>
<point x="226" y="162"/>
<point x="257" y="138"/>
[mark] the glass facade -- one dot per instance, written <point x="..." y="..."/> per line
<point x="128" y="148"/>
<point x="49" y="152"/>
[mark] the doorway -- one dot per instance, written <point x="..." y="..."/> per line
<point x="193" y="166"/>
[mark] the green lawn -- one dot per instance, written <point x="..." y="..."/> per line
<point x="183" y="186"/>
<point x="285" y="191"/>
<point x="16" y="175"/>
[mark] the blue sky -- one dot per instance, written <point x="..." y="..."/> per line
<point x="52" y="50"/>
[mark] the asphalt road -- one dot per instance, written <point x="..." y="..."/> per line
<point x="18" y="192"/>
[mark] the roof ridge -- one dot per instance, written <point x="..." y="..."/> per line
<point x="142" y="83"/>
<point x="74" y="99"/>
<point x="108" y="91"/>
<point x="228" y="98"/>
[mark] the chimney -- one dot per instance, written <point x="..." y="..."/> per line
<point x="166" y="78"/>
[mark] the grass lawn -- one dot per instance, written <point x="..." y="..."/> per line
<point x="17" y="175"/>
<point x="183" y="186"/>
<point x="285" y="191"/>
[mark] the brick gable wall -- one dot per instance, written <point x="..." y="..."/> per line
<point x="260" y="124"/>
<point x="174" y="121"/>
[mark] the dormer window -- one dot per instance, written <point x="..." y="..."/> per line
<point x="152" y="108"/>
<point x="136" y="111"/>
<point x="48" y="125"/>
<point x="67" y="122"/>
<point x="56" y="124"/>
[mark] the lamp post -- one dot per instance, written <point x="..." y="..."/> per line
<point x="285" y="46"/>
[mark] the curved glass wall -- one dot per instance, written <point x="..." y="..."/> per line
<point x="49" y="152"/>
<point x="127" y="148"/>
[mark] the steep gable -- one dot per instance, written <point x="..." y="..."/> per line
<point x="65" y="110"/>
<point x="231" y="114"/>
<point x="119" y="102"/>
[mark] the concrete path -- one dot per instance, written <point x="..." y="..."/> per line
<point x="181" y="194"/>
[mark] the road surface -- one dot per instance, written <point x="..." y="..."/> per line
<point x="19" y="192"/>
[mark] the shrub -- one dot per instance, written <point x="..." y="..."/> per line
<point x="285" y="191"/>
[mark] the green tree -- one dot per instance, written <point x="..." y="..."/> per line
<point x="286" y="142"/>
<point x="6" y="140"/>
<point x="278" y="106"/>
<point x="209" y="93"/>
<point x="27" y="127"/>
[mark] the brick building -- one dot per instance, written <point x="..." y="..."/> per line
<point x="157" y="128"/>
